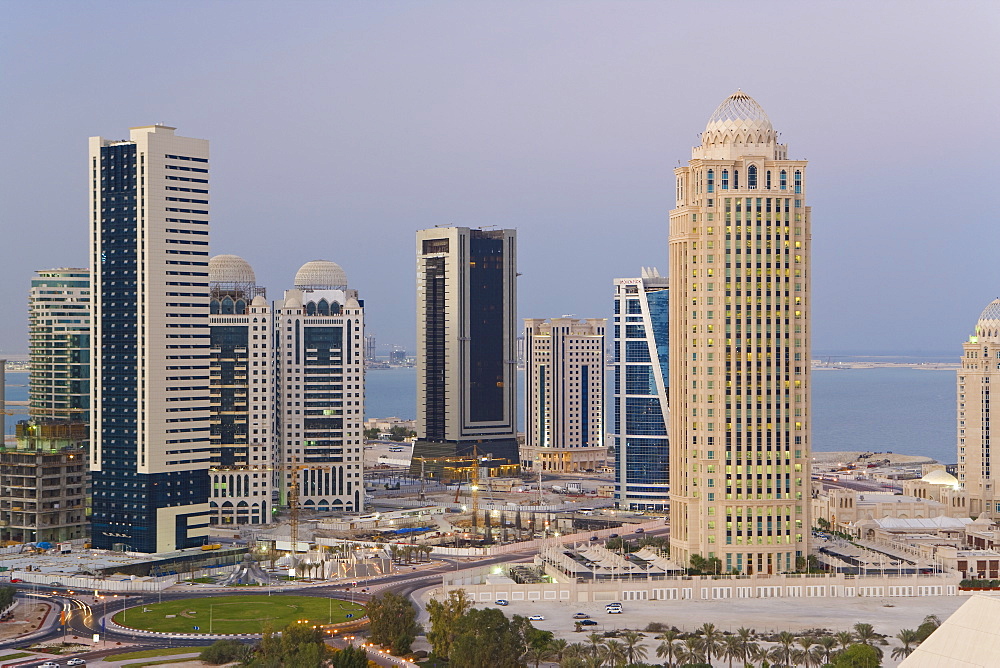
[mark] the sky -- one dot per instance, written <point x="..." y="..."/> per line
<point x="338" y="129"/>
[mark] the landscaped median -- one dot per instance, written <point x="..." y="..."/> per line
<point x="237" y="615"/>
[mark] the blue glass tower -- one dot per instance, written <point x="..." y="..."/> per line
<point x="640" y="434"/>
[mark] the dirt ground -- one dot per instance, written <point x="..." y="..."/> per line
<point x="26" y="619"/>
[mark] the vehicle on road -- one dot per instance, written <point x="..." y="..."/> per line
<point x="587" y="622"/>
<point x="614" y="535"/>
<point x="594" y="538"/>
<point x="49" y="664"/>
<point x="76" y="662"/>
<point x="640" y="530"/>
<point x="581" y="615"/>
<point x="502" y="601"/>
<point x="536" y="618"/>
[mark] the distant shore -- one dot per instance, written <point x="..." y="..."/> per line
<point x="851" y="456"/>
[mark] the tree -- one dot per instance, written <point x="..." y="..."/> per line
<point x="373" y="434"/>
<point x="927" y="627"/>
<point x="225" y="651"/>
<point x="487" y="638"/>
<point x="392" y="621"/>
<point x="866" y="635"/>
<point x="668" y="648"/>
<point x="711" y="638"/>
<point x="350" y="657"/>
<point x="444" y="618"/>
<point x="844" y="638"/>
<point x="634" y="652"/>
<point x="614" y="652"/>
<point x="909" y="642"/>
<point x="538" y="653"/>
<point x="857" y="656"/>
<point x="299" y="645"/>
<point x="827" y="644"/>
<point x="399" y="433"/>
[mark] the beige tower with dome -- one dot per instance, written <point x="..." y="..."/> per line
<point x="739" y="348"/>
<point x="977" y="470"/>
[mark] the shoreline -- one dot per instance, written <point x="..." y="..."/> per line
<point x="845" y="456"/>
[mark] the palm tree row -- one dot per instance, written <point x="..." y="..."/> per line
<point x="406" y="553"/>
<point x="740" y="648"/>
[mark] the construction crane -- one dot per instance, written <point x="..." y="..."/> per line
<point x="293" y="498"/>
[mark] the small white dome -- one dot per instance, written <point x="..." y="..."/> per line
<point x="321" y="275"/>
<point x="230" y="271"/>
<point x="940" y="477"/>
<point x="259" y="301"/>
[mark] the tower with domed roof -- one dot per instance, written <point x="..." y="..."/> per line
<point x="241" y="386"/>
<point x="319" y="341"/>
<point x="979" y="372"/>
<point x="739" y="348"/>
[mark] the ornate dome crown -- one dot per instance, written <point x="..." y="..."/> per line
<point x="321" y="275"/>
<point x="229" y="271"/>
<point x="739" y="127"/>
<point x="988" y="325"/>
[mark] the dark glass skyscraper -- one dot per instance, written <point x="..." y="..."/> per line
<point x="466" y="339"/>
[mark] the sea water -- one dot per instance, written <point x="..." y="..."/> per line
<point x="905" y="410"/>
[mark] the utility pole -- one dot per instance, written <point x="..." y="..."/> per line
<point x="422" y="479"/>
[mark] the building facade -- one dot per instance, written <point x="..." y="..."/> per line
<point x="642" y="362"/>
<point x="59" y="340"/>
<point x="150" y="339"/>
<point x="466" y="338"/>
<point x="980" y="370"/>
<point x="319" y="341"/>
<point x="241" y="383"/>
<point x="739" y="336"/>
<point x="564" y="394"/>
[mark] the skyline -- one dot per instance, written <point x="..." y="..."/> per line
<point x="562" y="120"/>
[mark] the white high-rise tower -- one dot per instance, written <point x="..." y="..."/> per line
<point x="739" y="348"/>
<point x="980" y="370"/>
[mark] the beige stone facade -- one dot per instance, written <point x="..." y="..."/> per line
<point x="564" y="394"/>
<point x="980" y="369"/>
<point x="739" y="347"/>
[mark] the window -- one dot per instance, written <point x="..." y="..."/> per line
<point x="783" y="180"/>
<point x="711" y="180"/>
<point x="752" y="177"/>
<point x="798" y="181"/>
<point x="767" y="180"/>
<point x="725" y="179"/>
<point x="736" y="179"/>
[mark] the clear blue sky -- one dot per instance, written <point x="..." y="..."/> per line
<point x="339" y="128"/>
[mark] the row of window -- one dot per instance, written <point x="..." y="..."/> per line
<point x="752" y="179"/>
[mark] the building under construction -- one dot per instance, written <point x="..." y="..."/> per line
<point x="44" y="482"/>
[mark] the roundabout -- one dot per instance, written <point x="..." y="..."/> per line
<point x="237" y="614"/>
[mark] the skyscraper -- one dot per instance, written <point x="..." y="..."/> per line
<point x="980" y="370"/>
<point x="641" y="438"/>
<point x="241" y="374"/>
<point x="466" y="337"/>
<point x="319" y="338"/>
<point x="739" y="358"/>
<point x="150" y="338"/>
<point x="59" y="336"/>
<point x="564" y="395"/>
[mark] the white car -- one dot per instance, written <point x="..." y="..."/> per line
<point x="49" y="664"/>
<point x="76" y="662"/>
<point x="536" y="618"/>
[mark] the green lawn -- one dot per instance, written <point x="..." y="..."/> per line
<point x="150" y="653"/>
<point x="236" y="614"/>
<point x="15" y="655"/>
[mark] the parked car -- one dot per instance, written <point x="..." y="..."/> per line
<point x="581" y="615"/>
<point x="614" y="611"/>
<point x="502" y="601"/>
<point x="536" y="618"/>
<point x="588" y="622"/>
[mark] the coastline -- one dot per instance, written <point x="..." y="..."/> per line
<point x="852" y="455"/>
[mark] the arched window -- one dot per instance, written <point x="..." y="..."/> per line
<point x="323" y="308"/>
<point x="227" y="305"/>
<point x="725" y="179"/>
<point x="736" y="179"/>
<point x="711" y="180"/>
<point x="335" y="308"/>
<point x="241" y="306"/>
<point x="767" y="180"/>
<point x="311" y="308"/>
<point x="752" y="177"/>
<point x="798" y="181"/>
<point x="215" y="307"/>
<point x="783" y="180"/>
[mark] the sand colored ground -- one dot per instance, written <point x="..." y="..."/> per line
<point x="850" y="456"/>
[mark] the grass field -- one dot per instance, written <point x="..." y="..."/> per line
<point x="236" y="614"/>
<point x="151" y="653"/>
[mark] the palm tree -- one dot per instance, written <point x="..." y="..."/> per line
<point x="785" y="641"/>
<point x="595" y="640"/>
<point x="732" y="648"/>
<point x="539" y="653"/>
<point x="634" y="652"/>
<point x="711" y="640"/>
<point x="827" y="644"/>
<point x="909" y="639"/>
<point x="758" y="653"/>
<point x="693" y="650"/>
<point x="559" y="646"/>
<point x="866" y="635"/>
<point x="809" y="657"/>
<point x="614" y="652"/>
<point x="844" y="638"/>
<point x="668" y="648"/>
